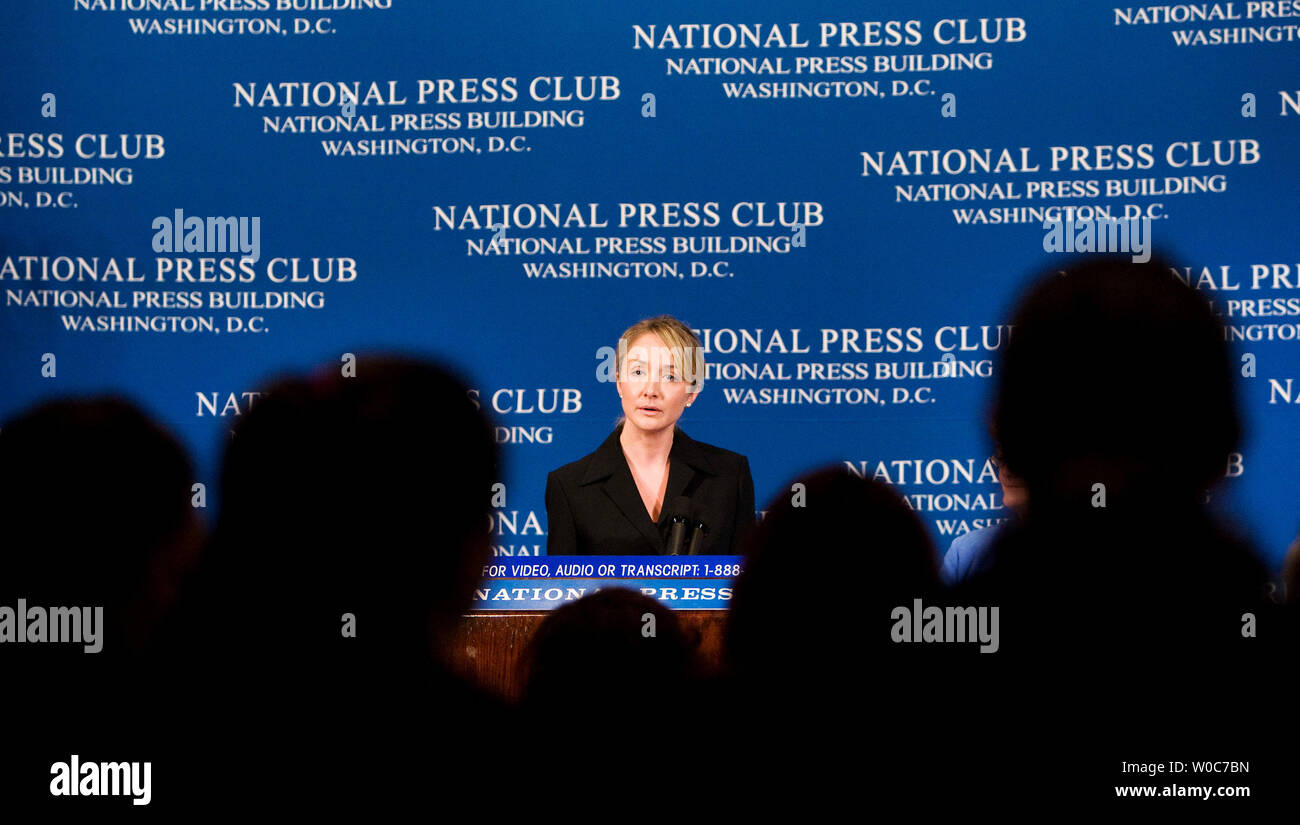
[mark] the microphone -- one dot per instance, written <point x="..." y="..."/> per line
<point x="679" y="509"/>
<point x="697" y="538"/>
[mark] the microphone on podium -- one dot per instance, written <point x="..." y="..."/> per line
<point x="679" y="510"/>
<point x="697" y="538"/>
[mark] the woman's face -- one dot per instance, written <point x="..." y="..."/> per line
<point x="653" y="390"/>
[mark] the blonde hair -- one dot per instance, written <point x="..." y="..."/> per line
<point x="685" y="348"/>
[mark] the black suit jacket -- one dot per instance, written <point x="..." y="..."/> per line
<point x="593" y="506"/>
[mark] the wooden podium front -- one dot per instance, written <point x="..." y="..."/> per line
<point x="488" y="646"/>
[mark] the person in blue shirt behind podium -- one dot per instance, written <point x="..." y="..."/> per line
<point x="969" y="551"/>
<point x="624" y="498"/>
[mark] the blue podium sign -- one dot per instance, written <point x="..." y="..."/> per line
<point x="545" y="583"/>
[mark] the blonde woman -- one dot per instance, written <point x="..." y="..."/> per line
<point x="650" y="489"/>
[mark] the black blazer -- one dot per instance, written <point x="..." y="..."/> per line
<point x="593" y="506"/>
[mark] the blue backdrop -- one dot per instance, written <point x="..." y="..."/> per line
<point x="867" y="125"/>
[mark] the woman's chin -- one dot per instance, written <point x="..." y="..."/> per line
<point x="651" y="422"/>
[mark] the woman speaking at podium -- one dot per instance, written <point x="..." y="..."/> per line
<point x="650" y="489"/>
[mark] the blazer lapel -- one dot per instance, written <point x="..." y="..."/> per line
<point x="609" y="464"/>
<point x="687" y="464"/>
<point x="621" y="488"/>
<point x="684" y="460"/>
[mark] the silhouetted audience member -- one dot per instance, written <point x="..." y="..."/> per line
<point x="1126" y="609"/>
<point x="98" y="533"/>
<point x="610" y="697"/>
<point x="95" y="499"/>
<point x="791" y="617"/>
<point x="813" y="670"/>
<point x="351" y="535"/>
<point x="615" y="652"/>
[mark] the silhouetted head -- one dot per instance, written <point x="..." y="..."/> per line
<point x="1116" y="373"/>
<point x="1116" y="407"/>
<point x="614" y="650"/>
<point x="795" y="609"/>
<point x="366" y="495"/>
<point x="95" y="503"/>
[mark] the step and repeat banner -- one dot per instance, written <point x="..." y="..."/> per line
<point x="843" y="200"/>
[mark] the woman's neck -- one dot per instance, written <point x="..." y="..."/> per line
<point x="646" y="449"/>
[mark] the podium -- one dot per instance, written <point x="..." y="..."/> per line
<point x="516" y="595"/>
<point x="487" y="648"/>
